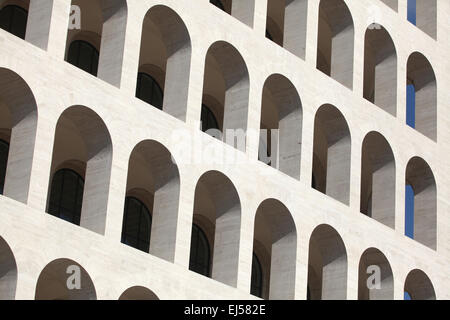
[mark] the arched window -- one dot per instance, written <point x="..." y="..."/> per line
<point x="257" y="277"/>
<point x="4" y="150"/>
<point x="200" y="255"/>
<point x="137" y="222"/>
<point x="66" y="196"/>
<point x="218" y="4"/>
<point x="208" y="119"/>
<point x="84" y="56"/>
<point x="14" y="20"/>
<point x="148" y="90"/>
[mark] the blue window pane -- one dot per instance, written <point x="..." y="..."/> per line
<point x="407" y="296"/>
<point x="412" y="11"/>
<point x="411" y="106"/>
<point x="409" y="212"/>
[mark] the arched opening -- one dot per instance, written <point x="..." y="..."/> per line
<point x="421" y="180"/>
<point x="98" y="46"/>
<point x="64" y="279"/>
<point x="164" y="61"/>
<point x="376" y="281"/>
<point x="422" y="81"/>
<point x="327" y="265"/>
<point x="275" y="242"/>
<point x="335" y="44"/>
<point x="226" y="91"/>
<point x="81" y="163"/>
<point x="18" y="123"/>
<point x="8" y="272"/>
<point x="393" y="4"/>
<point x="281" y="126"/>
<point x="332" y="154"/>
<point x="286" y="24"/>
<point x="242" y="10"/>
<point x="138" y="293"/>
<point x="154" y="184"/>
<point x="377" y="198"/>
<point x="423" y="13"/>
<point x="217" y="214"/>
<point x="14" y="17"/>
<point x="380" y="69"/>
<point x="418" y="286"/>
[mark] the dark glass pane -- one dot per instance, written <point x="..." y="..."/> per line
<point x="218" y="4"/>
<point x="136" y="226"/>
<point x="14" y="20"/>
<point x="66" y="196"/>
<point x="208" y="119"/>
<point x="4" y="150"/>
<point x="148" y="90"/>
<point x="257" y="278"/>
<point x="84" y="56"/>
<point x="200" y="255"/>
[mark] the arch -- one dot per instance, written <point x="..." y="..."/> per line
<point x="286" y="24"/>
<point x="244" y="11"/>
<point x="420" y="177"/>
<point x="14" y="16"/>
<point x="154" y="179"/>
<point x="276" y="234"/>
<point x="419" y="286"/>
<point x="8" y="272"/>
<point x="103" y="25"/>
<point x="332" y="153"/>
<point x="335" y="45"/>
<point x="226" y="80"/>
<point x="82" y="143"/>
<point x="209" y="120"/>
<point x="53" y="281"/>
<point x="327" y="265"/>
<point x="380" y="69"/>
<point x="138" y="293"/>
<point x="281" y="119"/>
<point x="377" y="198"/>
<point x="166" y="46"/>
<point x="426" y="17"/>
<point x="218" y="208"/>
<point x="369" y="289"/>
<point x="421" y="76"/>
<point x="18" y="123"/>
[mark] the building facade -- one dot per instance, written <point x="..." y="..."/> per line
<point x="112" y="188"/>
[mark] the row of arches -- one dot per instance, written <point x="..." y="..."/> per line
<point x="327" y="274"/>
<point x="165" y="56"/>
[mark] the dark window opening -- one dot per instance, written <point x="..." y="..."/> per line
<point x="200" y="255"/>
<point x="4" y="150"/>
<point x="14" y="20"/>
<point x="66" y="196"/>
<point x="218" y="4"/>
<point x="257" y="277"/>
<point x="137" y="222"/>
<point x="208" y="119"/>
<point x="84" y="56"/>
<point x="148" y="90"/>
